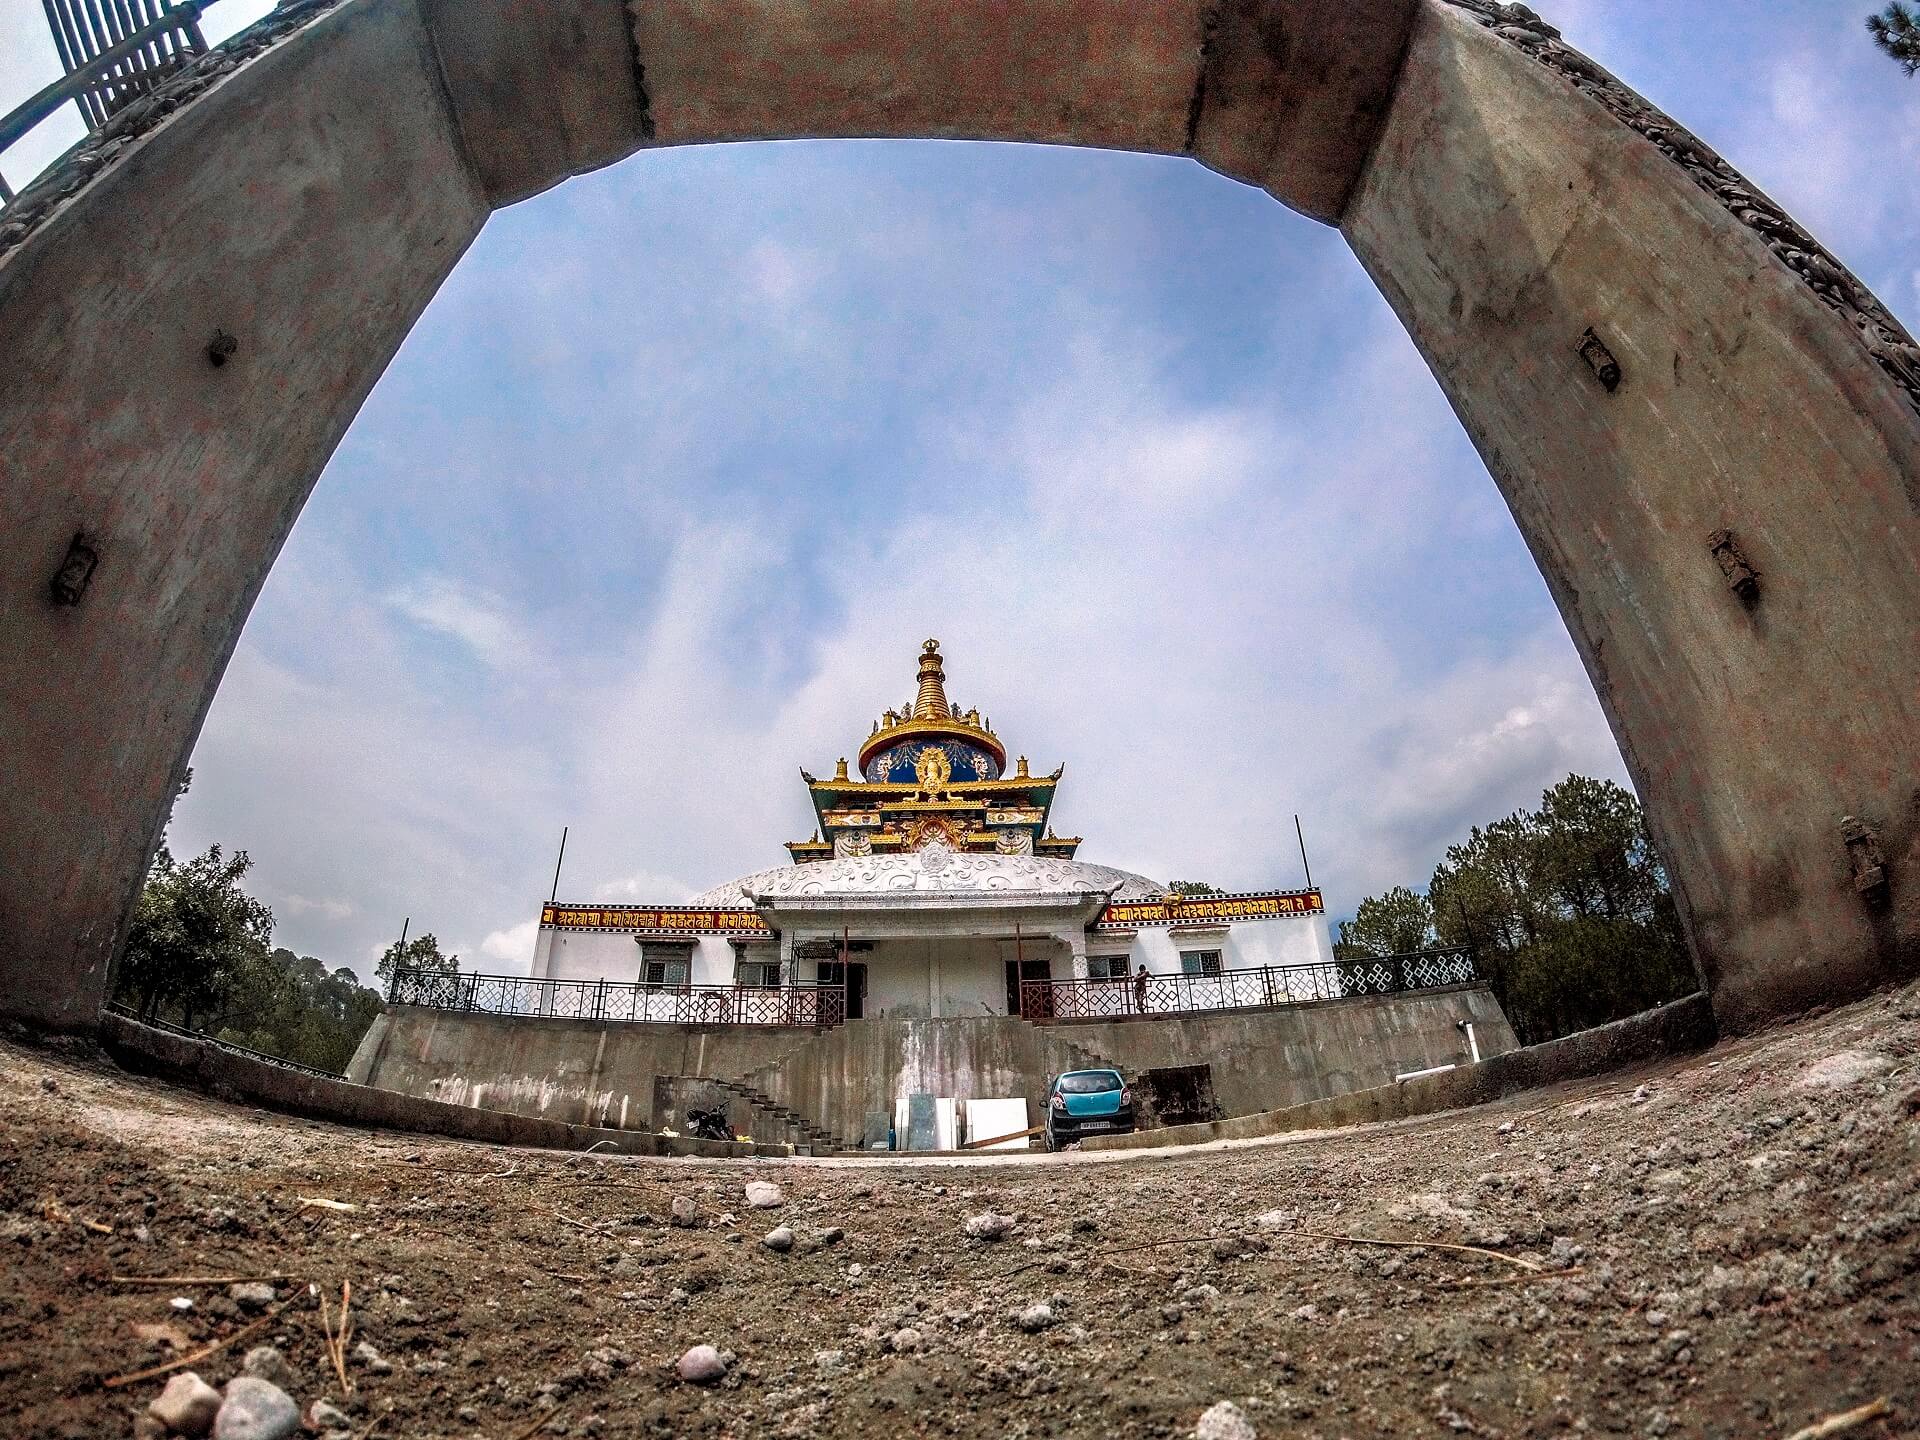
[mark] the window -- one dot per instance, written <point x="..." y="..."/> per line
<point x="666" y="964"/>
<point x="763" y="974"/>
<point x="1200" y="962"/>
<point x="1090" y="1082"/>
<point x="1106" y="967"/>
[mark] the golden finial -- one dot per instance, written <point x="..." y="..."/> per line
<point x="931" y="702"/>
<point x="1021" y="773"/>
<point x="840" y="770"/>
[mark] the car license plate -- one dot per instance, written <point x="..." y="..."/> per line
<point x="1096" y="1125"/>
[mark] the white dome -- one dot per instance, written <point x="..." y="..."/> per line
<point x="934" y="870"/>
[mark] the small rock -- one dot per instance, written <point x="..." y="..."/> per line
<point x="832" y="1235"/>
<point x="49" y="1084"/>
<point x="256" y="1410"/>
<point x="1505" y="1127"/>
<point x="904" y="1341"/>
<point x="685" y="1212"/>
<point x="324" y="1415"/>
<point x="252" y="1294"/>
<point x="187" y="1405"/>
<point x="263" y="1362"/>
<point x="1642" y="1095"/>
<point x="1225" y="1421"/>
<point x="829" y="1362"/>
<point x="376" y="1363"/>
<point x="1843" y="1068"/>
<point x="1036" y="1317"/>
<point x="701" y="1365"/>
<point x="779" y="1239"/>
<point x="180" y="1304"/>
<point x="765" y="1195"/>
<point x="1306" y="1312"/>
<point x="989" y="1226"/>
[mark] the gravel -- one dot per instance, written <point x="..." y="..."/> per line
<point x="1736" y="1257"/>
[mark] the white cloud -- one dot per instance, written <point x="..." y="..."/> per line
<point x="477" y="619"/>
<point x="512" y="946"/>
<point x="301" y="905"/>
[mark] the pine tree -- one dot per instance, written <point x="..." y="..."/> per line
<point x="1896" y="30"/>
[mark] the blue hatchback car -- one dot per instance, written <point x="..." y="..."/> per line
<point x="1087" y="1102"/>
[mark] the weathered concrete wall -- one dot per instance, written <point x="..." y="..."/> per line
<point x="572" y="1070"/>
<point x="610" y="1074"/>
<point x="1677" y="1029"/>
<point x="1504" y="213"/>
<point x="310" y="201"/>
<point x="221" y="1073"/>
<point x="309" y="206"/>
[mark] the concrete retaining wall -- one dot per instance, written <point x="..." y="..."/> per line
<point x="609" y="1074"/>
<point x="1683" y="1026"/>
<point x="226" y="1076"/>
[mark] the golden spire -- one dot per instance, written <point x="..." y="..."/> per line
<point x="931" y="702"/>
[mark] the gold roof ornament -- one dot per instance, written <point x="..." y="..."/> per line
<point x="931" y="702"/>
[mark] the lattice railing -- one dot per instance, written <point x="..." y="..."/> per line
<point x="1042" y="1000"/>
<point x="621" y="1000"/>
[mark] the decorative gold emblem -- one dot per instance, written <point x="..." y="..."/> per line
<point x="933" y="769"/>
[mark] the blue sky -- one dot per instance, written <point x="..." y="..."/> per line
<point x="657" y="502"/>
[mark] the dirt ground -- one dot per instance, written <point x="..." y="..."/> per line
<point x="1725" y="1245"/>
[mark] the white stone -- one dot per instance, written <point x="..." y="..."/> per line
<point x="372" y="1358"/>
<point x="256" y="1410"/>
<point x="989" y="1226"/>
<point x="779" y="1239"/>
<point x="1843" y="1068"/>
<point x="702" y="1365"/>
<point x="187" y="1405"/>
<point x="905" y="1340"/>
<point x="1036" y="1317"/>
<point x="765" y="1195"/>
<point x="685" y="1212"/>
<point x="1225" y="1421"/>
<point x="252" y="1294"/>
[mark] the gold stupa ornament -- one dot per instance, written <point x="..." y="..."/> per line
<point x="932" y="772"/>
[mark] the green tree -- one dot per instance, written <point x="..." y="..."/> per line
<point x="294" y="1007"/>
<point x="1187" y="889"/>
<point x="1396" y="923"/>
<point x="1896" y="30"/>
<point x="420" y="953"/>
<point x="1568" y="910"/>
<point x="194" y="936"/>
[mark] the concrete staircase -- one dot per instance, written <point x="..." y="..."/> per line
<point x="804" y="1131"/>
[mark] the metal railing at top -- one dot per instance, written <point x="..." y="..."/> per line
<point x="621" y="1000"/>
<point x="285" y="1064"/>
<point x="114" y="51"/>
<point x="1271" y="986"/>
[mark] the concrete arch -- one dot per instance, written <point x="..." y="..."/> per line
<point x="1646" y="352"/>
